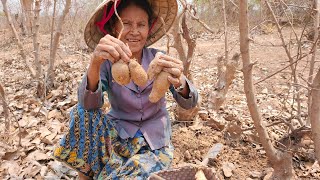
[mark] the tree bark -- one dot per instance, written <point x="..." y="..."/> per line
<point x="226" y="74"/>
<point x="36" y="46"/>
<point x="5" y="108"/>
<point x="27" y="8"/>
<point x="226" y="50"/>
<point x="315" y="114"/>
<point x="13" y="29"/>
<point x="191" y="43"/>
<point x="52" y="21"/>
<point x="23" y="23"/>
<point x="185" y="55"/>
<point x="280" y="161"/>
<point x="313" y="58"/>
<point x="55" y="45"/>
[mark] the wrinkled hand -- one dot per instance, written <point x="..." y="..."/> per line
<point x="174" y="67"/>
<point x="112" y="49"/>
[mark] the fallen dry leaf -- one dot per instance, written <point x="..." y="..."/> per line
<point x="38" y="156"/>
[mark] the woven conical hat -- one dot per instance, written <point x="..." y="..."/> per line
<point x="165" y="9"/>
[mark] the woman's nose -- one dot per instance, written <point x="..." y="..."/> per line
<point x="134" y="29"/>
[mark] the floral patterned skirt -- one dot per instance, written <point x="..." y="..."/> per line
<point x="92" y="146"/>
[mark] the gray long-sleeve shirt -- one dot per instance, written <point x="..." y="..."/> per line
<point x="130" y="106"/>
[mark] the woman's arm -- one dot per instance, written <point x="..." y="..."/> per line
<point x="188" y="97"/>
<point x="90" y="90"/>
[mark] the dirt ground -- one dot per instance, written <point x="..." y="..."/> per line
<point x="43" y="122"/>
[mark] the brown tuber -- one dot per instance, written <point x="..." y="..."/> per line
<point x="160" y="87"/>
<point x="154" y="69"/>
<point x="120" y="72"/>
<point x="138" y="74"/>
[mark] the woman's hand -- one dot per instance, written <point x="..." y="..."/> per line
<point x="175" y="68"/>
<point x="112" y="49"/>
<point x="109" y="48"/>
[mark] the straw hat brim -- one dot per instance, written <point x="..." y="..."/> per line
<point x="165" y="9"/>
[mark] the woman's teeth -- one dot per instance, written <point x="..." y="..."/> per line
<point x="132" y="40"/>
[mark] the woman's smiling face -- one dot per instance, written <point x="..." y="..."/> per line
<point x="136" y="28"/>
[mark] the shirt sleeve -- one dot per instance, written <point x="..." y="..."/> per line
<point x="186" y="103"/>
<point x="93" y="100"/>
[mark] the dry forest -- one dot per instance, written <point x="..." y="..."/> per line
<point x="255" y="64"/>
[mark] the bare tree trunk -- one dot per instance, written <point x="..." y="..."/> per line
<point x="280" y="161"/>
<point x="22" y="51"/>
<point x="226" y="69"/>
<point x="315" y="114"/>
<point x="226" y="74"/>
<point x="55" y="44"/>
<point x="191" y="43"/>
<point x="226" y="50"/>
<point x="5" y="108"/>
<point x="52" y="22"/>
<point x="36" y="46"/>
<point x="23" y="21"/>
<point x="313" y="58"/>
<point x="27" y="8"/>
<point x="261" y="10"/>
<point x="185" y="56"/>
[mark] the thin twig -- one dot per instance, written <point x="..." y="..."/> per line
<point x="234" y="4"/>
<point x="261" y="23"/>
<point x="304" y="7"/>
<point x="193" y="17"/>
<point x="292" y="63"/>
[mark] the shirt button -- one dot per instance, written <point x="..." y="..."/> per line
<point x="141" y="110"/>
<point x="139" y="95"/>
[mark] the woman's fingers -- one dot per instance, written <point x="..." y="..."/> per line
<point x="174" y="81"/>
<point x="118" y="48"/>
<point x="169" y="58"/>
<point x="107" y="56"/>
<point x="123" y="46"/>
<point x="115" y="47"/>
<point x="175" y="72"/>
<point x="107" y="49"/>
<point x="170" y="62"/>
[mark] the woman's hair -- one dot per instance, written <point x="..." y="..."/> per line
<point x="143" y="4"/>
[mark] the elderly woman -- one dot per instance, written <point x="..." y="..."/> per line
<point x="133" y="139"/>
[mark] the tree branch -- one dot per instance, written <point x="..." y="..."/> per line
<point x="22" y="51"/>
